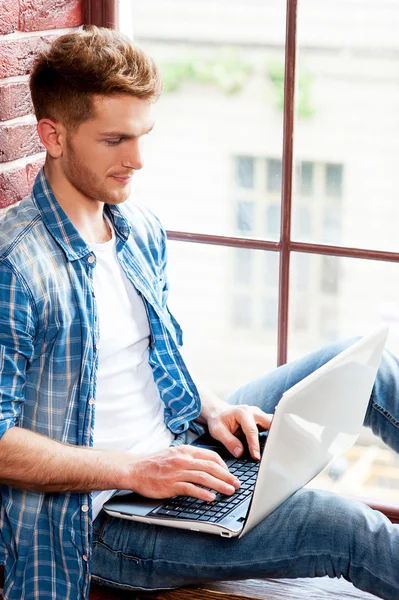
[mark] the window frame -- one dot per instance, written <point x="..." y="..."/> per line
<point x="105" y="13"/>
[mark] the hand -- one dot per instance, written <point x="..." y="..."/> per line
<point x="226" y="422"/>
<point x="181" y="470"/>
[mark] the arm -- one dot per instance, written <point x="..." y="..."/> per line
<point x="35" y="462"/>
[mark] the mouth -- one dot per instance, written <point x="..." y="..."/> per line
<point x="122" y="179"/>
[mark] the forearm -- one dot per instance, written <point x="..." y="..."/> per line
<point x="34" y="462"/>
<point x="31" y="461"/>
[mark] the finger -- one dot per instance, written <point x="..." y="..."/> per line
<point x="250" y="429"/>
<point x="209" y="481"/>
<point x="203" y="454"/>
<point x="184" y="488"/>
<point x="215" y="470"/>
<point x="263" y="419"/>
<point x="229" y="440"/>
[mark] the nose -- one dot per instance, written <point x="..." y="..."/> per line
<point x="133" y="159"/>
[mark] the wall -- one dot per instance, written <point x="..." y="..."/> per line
<point x="25" y="27"/>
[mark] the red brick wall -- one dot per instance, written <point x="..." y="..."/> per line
<point x="25" y="26"/>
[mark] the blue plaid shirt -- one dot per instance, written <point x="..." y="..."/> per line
<point x="48" y="363"/>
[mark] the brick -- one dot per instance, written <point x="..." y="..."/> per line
<point x="15" y="100"/>
<point x="9" y="11"/>
<point x="32" y="170"/>
<point x="18" y="140"/>
<point x="16" y="56"/>
<point x="17" y="183"/>
<point x="50" y="14"/>
<point x="13" y="186"/>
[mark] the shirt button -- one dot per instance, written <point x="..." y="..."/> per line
<point x="91" y="259"/>
<point x="85" y="508"/>
<point x="85" y="557"/>
<point x="91" y="401"/>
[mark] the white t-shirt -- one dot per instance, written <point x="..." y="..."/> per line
<point x="129" y="413"/>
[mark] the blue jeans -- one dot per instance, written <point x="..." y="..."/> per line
<point x="312" y="534"/>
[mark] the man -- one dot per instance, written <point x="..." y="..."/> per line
<point x="95" y="396"/>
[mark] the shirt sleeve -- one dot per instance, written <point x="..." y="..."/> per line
<point x="16" y="345"/>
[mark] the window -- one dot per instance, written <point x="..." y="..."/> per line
<point x="245" y="216"/>
<point x="300" y="270"/>
<point x="334" y="180"/>
<point x="330" y="274"/>
<point x="273" y="221"/>
<point x="220" y="176"/>
<point x="332" y="224"/>
<point x="243" y="266"/>
<point x="274" y="173"/>
<point x="270" y="313"/>
<point x="300" y="315"/>
<point x="304" y="221"/>
<point x="328" y="323"/>
<point x="245" y="171"/>
<point x="242" y="311"/>
<point x="271" y="270"/>
<point x="305" y="178"/>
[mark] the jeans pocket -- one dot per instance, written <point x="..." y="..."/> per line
<point x="100" y="526"/>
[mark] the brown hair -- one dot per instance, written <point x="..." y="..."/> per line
<point x="91" y="61"/>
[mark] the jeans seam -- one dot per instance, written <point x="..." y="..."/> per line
<point x="278" y="560"/>
<point x="282" y="560"/>
<point x="136" y="559"/>
<point x="97" y="578"/>
<point x="385" y="413"/>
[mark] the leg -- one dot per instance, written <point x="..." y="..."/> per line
<point x="266" y="391"/>
<point x="312" y="534"/>
<point x="383" y="410"/>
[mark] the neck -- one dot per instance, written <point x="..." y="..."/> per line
<point x="86" y="214"/>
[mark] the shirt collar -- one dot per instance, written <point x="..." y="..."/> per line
<point x="60" y="226"/>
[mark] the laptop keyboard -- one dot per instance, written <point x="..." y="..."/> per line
<point x="185" y="507"/>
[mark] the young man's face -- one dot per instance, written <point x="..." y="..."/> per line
<point x="101" y="156"/>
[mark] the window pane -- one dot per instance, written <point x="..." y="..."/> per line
<point x="334" y="175"/>
<point x="348" y="297"/>
<point x="245" y="217"/>
<point x="347" y="121"/>
<point x="222" y="106"/>
<point x="300" y="271"/>
<point x="330" y="274"/>
<point x="243" y="265"/>
<point x="332" y="226"/>
<point x="304" y="174"/>
<point x="272" y="265"/>
<point x="228" y="321"/>
<point x="273" y="214"/>
<point x="245" y="171"/>
<point x="242" y="311"/>
<point x="274" y="174"/>
<point x="270" y="313"/>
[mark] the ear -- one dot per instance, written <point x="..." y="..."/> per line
<point x="52" y="136"/>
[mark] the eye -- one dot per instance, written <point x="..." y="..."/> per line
<point x="113" y="142"/>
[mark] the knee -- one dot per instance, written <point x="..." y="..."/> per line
<point x="333" y="524"/>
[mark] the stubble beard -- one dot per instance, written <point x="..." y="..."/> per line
<point x="87" y="182"/>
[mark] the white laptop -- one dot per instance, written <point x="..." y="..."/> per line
<point x="315" y="421"/>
